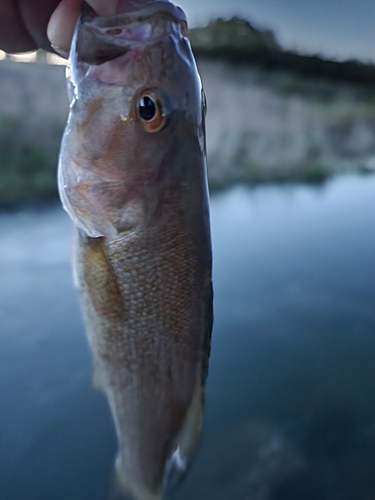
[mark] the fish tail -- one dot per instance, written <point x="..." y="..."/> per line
<point x="186" y="441"/>
<point x="123" y="488"/>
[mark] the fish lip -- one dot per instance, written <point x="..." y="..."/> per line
<point x="101" y="39"/>
<point x="163" y="9"/>
<point x="158" y="8"/>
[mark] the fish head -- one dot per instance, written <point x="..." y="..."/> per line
<point x="136" y="107"/>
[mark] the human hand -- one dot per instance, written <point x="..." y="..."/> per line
<point x="26" y="25"/>
<point x="62" y="22"/>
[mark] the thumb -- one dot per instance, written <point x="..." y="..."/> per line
<point x="62" y="22"/>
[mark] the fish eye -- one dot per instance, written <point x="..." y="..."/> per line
<point x="147" y="108"/>
<point x="150" y="111"/>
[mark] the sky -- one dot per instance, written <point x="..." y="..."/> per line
<point x="339" y="29"/>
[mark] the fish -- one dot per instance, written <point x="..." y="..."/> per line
<point x="132" y="177"/>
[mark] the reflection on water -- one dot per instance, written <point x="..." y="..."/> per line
<point x="290" y="412"/>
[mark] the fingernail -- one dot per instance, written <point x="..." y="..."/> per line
<point x="61" y="26"/>
<point x="61" y="52"/>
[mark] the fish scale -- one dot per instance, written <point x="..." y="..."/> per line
<point x="134" y="357"/>
<point x="136" y="189"/>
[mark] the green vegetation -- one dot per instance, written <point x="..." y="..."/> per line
<point x="236" y="33"/>
<point x="27" y="172"/>
<point x="316" y="173"/>
<point x="250" y="173"/>
<point x="238" y="42"/>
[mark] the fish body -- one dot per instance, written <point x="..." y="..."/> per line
<point x="132" y="176"/>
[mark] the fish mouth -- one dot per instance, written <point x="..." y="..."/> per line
<point x="101" y="39"/>
<point x="161" y="8"/>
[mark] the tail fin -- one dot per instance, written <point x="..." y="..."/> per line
<point x="186" y="442"/>
<point x="185" y="445"/>
<point x="123" y="488"/>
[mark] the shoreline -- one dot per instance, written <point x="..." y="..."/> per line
<point x="43" y="204"/>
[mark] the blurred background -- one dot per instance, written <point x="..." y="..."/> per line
<point x="290" y="407"/>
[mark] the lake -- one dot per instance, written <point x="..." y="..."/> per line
<point x="290" y="406"/>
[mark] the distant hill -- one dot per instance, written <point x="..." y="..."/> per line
<point x="236" y="41"/>
<point x="235" y="33"/>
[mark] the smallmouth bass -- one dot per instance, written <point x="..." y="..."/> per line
<point x="132" y="177"/>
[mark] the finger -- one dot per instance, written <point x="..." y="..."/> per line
<point x="13" y="33"/>
<point x="35" y="15"/>
<point x="61" y="25"/>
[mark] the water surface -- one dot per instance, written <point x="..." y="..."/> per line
<point x="290" y="411"/>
